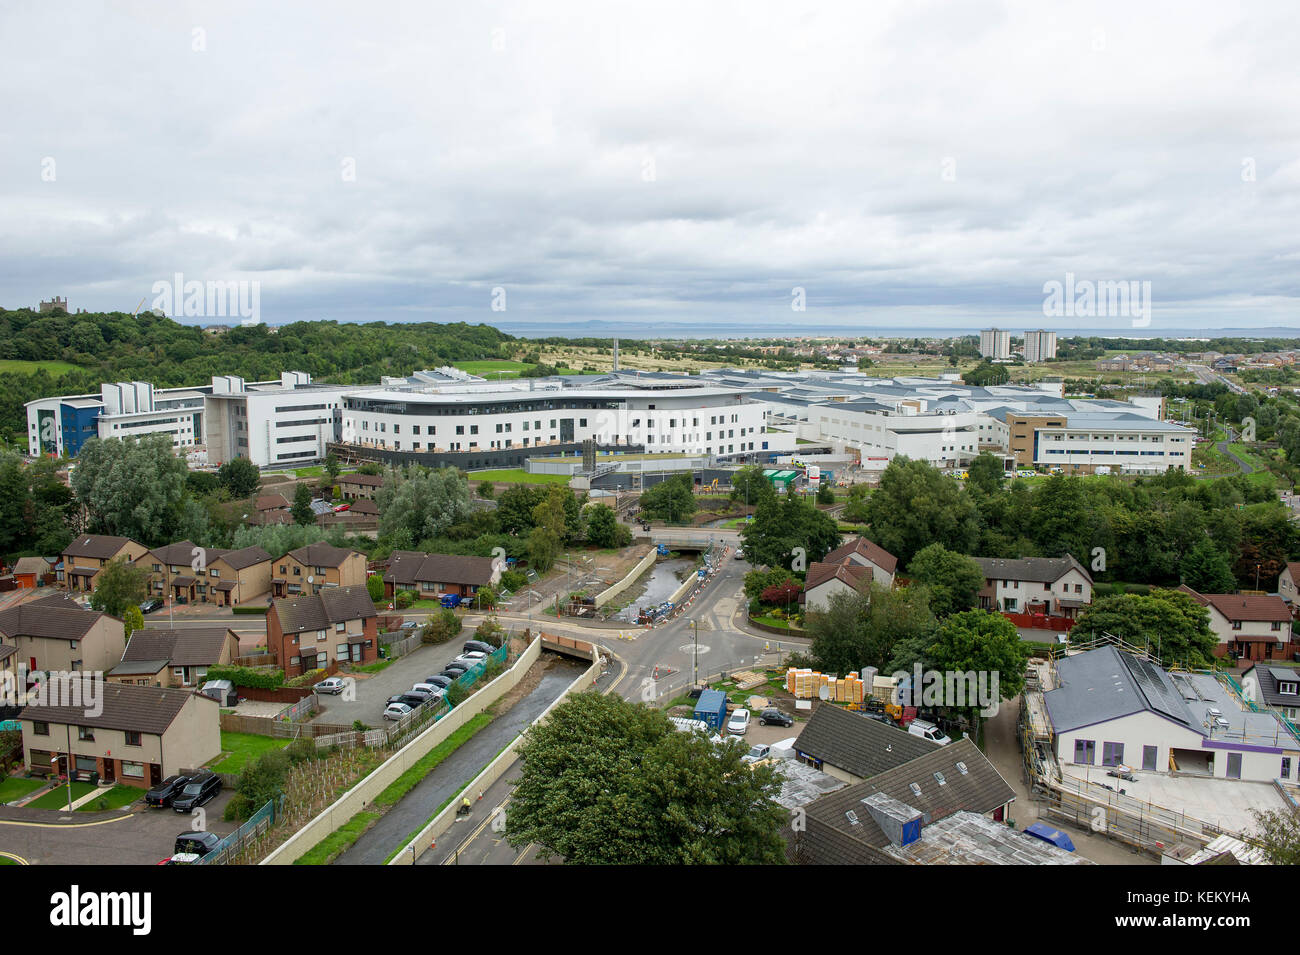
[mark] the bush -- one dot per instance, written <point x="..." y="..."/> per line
<point x="375" y="587"/>
<point x="239" y="808"/>
<point x="302" y="750"/>
<point x="513" y="580"/>
<point x="404" y="599"/>
<point x="457" y="693"/>
<point x="241" y="608"/>
<point x="489" y="631"/>
<point x="307" y="679"/>
<point x="442" y="626"/>
<point x="262" y="679"/>
<point x="264" y="778"/>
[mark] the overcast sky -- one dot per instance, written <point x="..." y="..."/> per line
<point x="908" y="164"/>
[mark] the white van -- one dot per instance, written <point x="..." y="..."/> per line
<point x="683" y="725"/>
<point x="929" y="731"/>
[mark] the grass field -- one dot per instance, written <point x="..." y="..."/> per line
<point x="493" y="369"/>
<point x="118" y="797"/>
<point x="13" y="365"/>
<point x="516" y="476"/>
<point x="239" y="749"/>
<point x="58" y="798"/>
<point x="16" y="787"/>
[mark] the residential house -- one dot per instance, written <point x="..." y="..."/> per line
<point x="825" y="580"/>
<point x="174" y="658"/>
<point x="354" y="486"/>
<point x="335" y="625"/>
<point x="179" y="572"/>
<point x="237" y="576"/>
<point x="310" y="569"/>
<point x="88" y="554"/>
<point x="853" y="747"/>
<point x="1277" y="688"/>
<point x="272" y="509"/>
<point x="945" y="806"/>
<point x="1288" y="586"/>
<point x="54" y="633"/>
<point x="864" y="553"/>
<point x="139" y="735"/>
<point x="1249" y="626"/>
<point x="1112" y="708"/>
<point x="432" y="574"/>
<point x="1055" y="586"/>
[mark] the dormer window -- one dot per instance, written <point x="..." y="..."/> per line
<point x="1286" y="689"/>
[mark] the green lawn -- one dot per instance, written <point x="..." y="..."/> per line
<point x="58" y="798"/>
<point x="119" y="797"/>
<point x="493" y="368"/>
<point x="28" y="367"/>
<point x="332" y="846"/>
<point x="16" y="787"/>
<point x="517" y="476"/>
<point x="239" y="749"/>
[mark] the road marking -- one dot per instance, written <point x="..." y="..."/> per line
<point x="19" y="859"/>
<point x="55" y="825"/>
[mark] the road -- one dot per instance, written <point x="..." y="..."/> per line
<point x="654" y="665"/>
<point x="1226" y="452"/>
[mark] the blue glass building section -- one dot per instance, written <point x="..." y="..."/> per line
<point x="79" y="425"/>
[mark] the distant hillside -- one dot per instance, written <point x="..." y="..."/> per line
<point x="115" y="346"/>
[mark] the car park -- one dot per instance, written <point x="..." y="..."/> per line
<point x="396" y="711"/>
<point x="333" y="684"/>
<point x="198" y="843"/>
<point x="201" y="789"/>
<point x="478" y="646"/>
<point x="166" y="791"/>
<point x="774" y="717"/>
<point x="738" y="723"/>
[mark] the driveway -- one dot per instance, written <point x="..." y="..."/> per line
<point x="374" y="689"/>
<point x="139" y="837"/>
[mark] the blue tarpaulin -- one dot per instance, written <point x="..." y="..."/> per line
<point x="1041" y="830"/>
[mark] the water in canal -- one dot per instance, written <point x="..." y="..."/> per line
<point x="654" y="587"/>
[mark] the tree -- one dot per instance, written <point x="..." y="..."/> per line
<point x="240" y="477"/>
<point x="954" y="580"/>
<point x="132" y="620"/>
<point x="915" y="506"/>
<point x="985" y="473"/>
<point x="1278" y="833"/>
<point x="422" y="502"/>
<point x="1170" y="622"/>
<point x="1205" y="568"/>
<point x="672" y="499"/>
<point x="987" y="645"/>
<point x="986" y="373"/>
<point x="120" y="585"/>
<point x="864" y="629"/>
<point x="332" y="466"/>
<point x="789" y="532"/>
<point x="750" y="487"/>
<point x="603" y="528"/>
<point x="301" y="510"/>
<point x="486" y="490"/>
<point x="137" y="489"/>
<point x="605" y="781"/>
<point x="441" y="627"/>
<point x="375" y="587"/>
<point x="825" y="493"/>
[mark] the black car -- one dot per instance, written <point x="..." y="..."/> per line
<point x="200" y="843"/>
<point x="202" y="789"/>
<point x="775" y="718"/>
<point x="150" y="605"/>
<point x="166" y="791"/>
<point x="411" y="698"/>
<point x="479" y="645"/>
<point x="456" y="668"/>
<point x="440" y="680"/>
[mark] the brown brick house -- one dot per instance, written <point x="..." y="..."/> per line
<point x="338" y="624"/>
<point x="354" y="486"/>
<point x="174" y="658"/>
<point x="238" y="576"/>
<point x="88" y="554"/>
<point x="432" y="574"/>
<point x="179" y="571"/>
<point x="316" y="567"/>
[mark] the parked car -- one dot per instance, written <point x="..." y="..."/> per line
<point x="761" y="751"/>
<point x="199" y="843"/>
<point x="470" y="659"/>
<point x="333" y="684"/>
<point x="740" y="553"/>
<point x="201" y="789"/>
<point x="452" y="674"/>
<point x="435" y="692"/>
<point x="410" y="625"/>
<point x="456" y="667"/>
<point x="439" y="681"/>
<point x="927" y="730"/>
<point x="167" y="790"/>
<point x="409" y="698"/>
<point x="775" y="717"/>
<point x="472" y="646"/>
<point x="150" y="605"/>
<point x="738" y="724"/>
<point x="395" y="711"/>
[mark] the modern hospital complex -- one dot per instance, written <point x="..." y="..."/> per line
<point x="449" y="418"/>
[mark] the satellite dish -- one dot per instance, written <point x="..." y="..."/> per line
<point x="824" y="693"/>
<point x="311" y="579"/>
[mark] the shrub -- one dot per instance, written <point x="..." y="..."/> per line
<point x="244" y="608"/>
<point x="308" y="678"/>
<point x="239" y="807"/>
<point x="375" y="587"/>
<point x="457" y="693"/>
<point x="404" y="599"/>
<point x="262" y="679"/>
<point x="302" y="750"/>
<point x="513" y="580"/>
<point x="442" y="626"/>
<point x="489" y="631"/>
